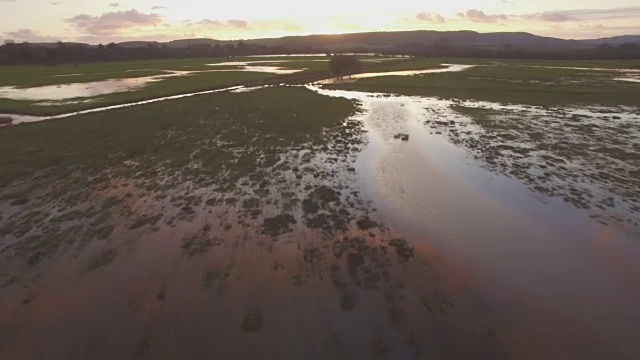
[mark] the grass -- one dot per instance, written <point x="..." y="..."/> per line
<point x="40" y="75"/>
<point x="33" y="76"/>
<point x="67" y="163"/>
<point x="169" y="86"/>
<point x="512" y="84"/>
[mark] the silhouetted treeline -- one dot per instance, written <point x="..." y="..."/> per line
<point x="66" y="53"/>
<point x="603" y="51"/>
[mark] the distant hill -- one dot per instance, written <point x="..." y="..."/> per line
<point x="390" y="40"/>
<point x="616" y="40"/>
<point x="468" y="44"/>
<point x="393" y="40"/>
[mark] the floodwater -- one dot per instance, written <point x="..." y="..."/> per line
<point x="19" y="119"/>
<point x="83" y="90"/>
<point x="58" y="91"/>
<point x="75" y="90"/>
<point x="546" y="251"/>
<point x="63" y="92"/>
<point x="628" y="79"/>
<point x="351" y="78"/>
<point x="501" y="230"/>
<point x="249" y="66"/>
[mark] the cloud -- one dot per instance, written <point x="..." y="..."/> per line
<point x="238" y="24"/>
<point x="105" y="39"/>
<point x="603" y="14"/>
<point x="585" y="15"/>
<point x="556" y="17"/>
<point x="430" y="18"/>
<point x="479" y="16"/>
<point x="29" y="36"/>
<point x="212" y="23"/>
<point x="113" y="22"/>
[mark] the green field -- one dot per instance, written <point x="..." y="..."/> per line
<point x="31" y="76"/>
<point x="166" y="87"/>
<point x="514" y="82"/>
<point x="35" y="76"/>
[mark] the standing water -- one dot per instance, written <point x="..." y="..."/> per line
<point x="505" y="233"/>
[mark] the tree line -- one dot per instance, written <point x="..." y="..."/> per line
<point x="69" y="53"/>
<point x="603" y="51"/>
<point x="12" y="53"/>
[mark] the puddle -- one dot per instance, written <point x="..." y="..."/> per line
<point x="76" y="90"/>
<point x="583" y="68"/>
<point x="637" y="80"/>
<point x="351" y="78"/>
<point x="83" y="90"/>
<point x="19" y="119"/>
<point x="529" y="241"/>
<point x="249" y="66"/>
<point x="269" y="69"/>
<point x="65" y="75"/>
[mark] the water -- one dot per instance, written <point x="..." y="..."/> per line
<point x="75" y="90"/>
<point x="496" y="226"/>
<point x="637" y="80"/>
<point x="501" y="230"/>
<point x="84" y="90"/>
<point x="351" y="78"/>
<point x="19" y="119"/>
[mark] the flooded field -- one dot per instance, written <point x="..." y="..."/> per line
<point x="508" y="213"/>
<point x="324" y="221"/>
<point x="56" y="90"/>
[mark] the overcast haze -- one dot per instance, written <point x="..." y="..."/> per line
<point x="105" y="21"/>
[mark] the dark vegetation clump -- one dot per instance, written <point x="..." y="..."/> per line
<point x="22" y="200"/>
<point x="366" y="224"/>
<point x="348" y="300"/>
<point x="252" y="321"/>
<point x="104" y="258"/>
<point x="344" y="64"/>
<point x="278" y="225"/>
<point x="403" y="249"/>
<point x="145" y="220"/>
<point x="197" y="244"/>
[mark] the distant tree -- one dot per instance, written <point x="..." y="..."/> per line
<point x="344" y="64"/>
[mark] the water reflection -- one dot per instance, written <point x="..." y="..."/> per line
<point x="494" y="223"/>
<point x="351" y="78"/>
<point x="84" y="90"/>
<point x="75" y="90"/>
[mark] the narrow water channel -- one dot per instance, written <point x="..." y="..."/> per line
<point x="494" y="225"/>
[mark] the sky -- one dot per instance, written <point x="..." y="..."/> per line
<point x="104" y="21"/>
